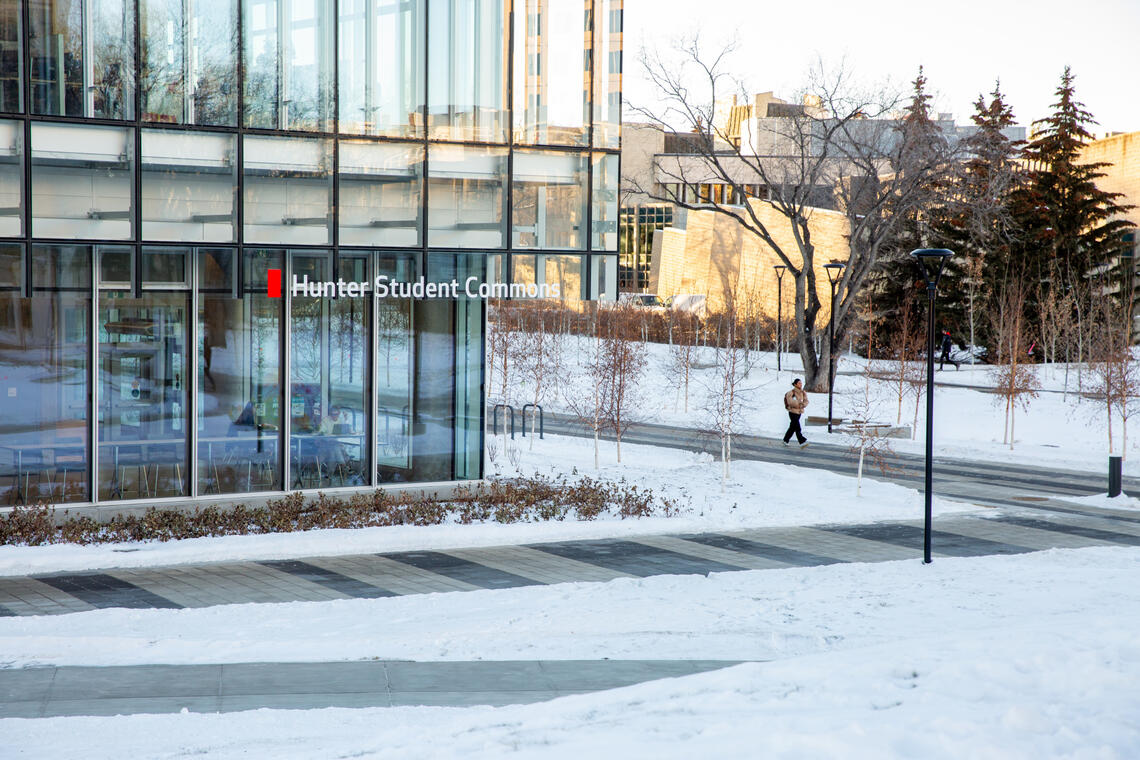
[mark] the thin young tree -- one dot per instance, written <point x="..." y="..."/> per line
<point x="623" y="357"/>
<point x="727" y="392"/>
<point x="1015" y="381"/>
<point x="1115" y="377"/>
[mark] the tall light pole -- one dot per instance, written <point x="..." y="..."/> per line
<point x="779" y="313"/>
<point x="834" y="271"/>
<point x="931" y="261"/>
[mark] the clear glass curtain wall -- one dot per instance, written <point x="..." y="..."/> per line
<point x="169" y="167"/>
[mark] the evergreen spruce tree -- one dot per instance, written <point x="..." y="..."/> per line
<point x="981" y="225"/>
<point x="921" y="143"/>
<point x="1073" y="228"/>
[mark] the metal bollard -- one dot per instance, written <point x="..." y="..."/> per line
<point x="1114" y="476"/>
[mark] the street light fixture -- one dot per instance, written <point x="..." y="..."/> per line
<point x="834" y="272"/>
<point x="779" y="313"/>
<point x="931" y="261"/>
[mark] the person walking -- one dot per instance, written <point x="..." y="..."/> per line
<point x="795" y="401"/>
<point x="947" y="344"/>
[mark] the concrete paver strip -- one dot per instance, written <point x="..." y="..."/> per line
<point x="716" y="554"/>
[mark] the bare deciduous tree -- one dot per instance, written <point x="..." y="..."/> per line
<point x="842" y="149"/>
<point x="1015" y="381"/>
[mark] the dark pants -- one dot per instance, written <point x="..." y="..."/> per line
<point x="794" y="427"/>
<point x="946" y="358"/>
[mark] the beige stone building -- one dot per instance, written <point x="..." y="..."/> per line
<point x="1122" y="151"/>
<point x="715" y="257"/>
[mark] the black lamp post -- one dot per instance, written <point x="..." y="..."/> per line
<point x="931" y="261"/>
<point x="834" y="271"/>
<point x="779" y="313"/>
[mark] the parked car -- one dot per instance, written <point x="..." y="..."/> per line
<point x="691" y="303"/>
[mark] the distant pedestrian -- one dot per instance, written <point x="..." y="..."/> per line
<point x="947" y="345"/>
<point x="795" y="401"/>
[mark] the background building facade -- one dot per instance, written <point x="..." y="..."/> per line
<point x="159" y="157"/>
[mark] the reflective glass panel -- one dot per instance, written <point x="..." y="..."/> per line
<point x="239" y="390"/>
<point x="381" y="67"/>
<point x="395" y="370"/>
<point x="11" y="178"/>
<point x="82" y="57"/>
<point x="466" y="191"/>
<point x="467" y="70"/>
<point x="189" y="57"/>
<point x="189" y="180"/>
<point x="288" y="190"/>
<point x="381" y="186"/>
<point x="604" y="197"/>
<point x="566" y="273"/>
<point x="607" y="73"/>
<point x="288" y="54"/>
<point x="143" y="361"/>
<point x="327" y="385"/>
<point x="469" y="370"/>
<point x="81" y="181"/>
<point x="552" y="81"/>
<point x="548" y="199"/>
<point x="45" y="401"/>
<point x="11" y="61"/>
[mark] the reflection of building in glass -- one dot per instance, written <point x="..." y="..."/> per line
<point x="146" y="198"/>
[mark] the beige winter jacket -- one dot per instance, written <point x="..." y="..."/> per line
<point x="795" y="400"/>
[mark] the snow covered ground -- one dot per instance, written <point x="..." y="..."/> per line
<point x="1025" y="656"/>
<point x="759" y="494"/>
<point x="1056" y="428"/>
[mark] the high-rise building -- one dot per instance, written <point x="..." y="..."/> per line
<point x="170" y="168"/>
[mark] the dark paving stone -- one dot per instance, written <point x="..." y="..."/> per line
<point x="5" y="612"/>
<point x="941" y="541"/>
<point x="461" y="569"/>
<point x="758" y="549"/>
<point x="329" y="579"/>
<point x="102" y="590"/>
<point x="1074" y="530"/>
<point x="634" y="558"/>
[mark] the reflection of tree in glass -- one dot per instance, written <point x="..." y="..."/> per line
<point x="395" y="323"/>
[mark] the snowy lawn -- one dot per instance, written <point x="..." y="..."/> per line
<point x="758" y="495"/>
<point x="1055" y="429"/>
<point x="1024" y="656"/>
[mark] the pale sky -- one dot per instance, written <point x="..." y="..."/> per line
<point x="964" y="45"/>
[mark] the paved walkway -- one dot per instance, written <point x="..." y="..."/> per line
<point x="50" y="692"/>
<point x="1043" y="525"/>
<point x="998" y="484"/>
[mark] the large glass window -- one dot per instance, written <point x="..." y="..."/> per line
<point x="327" y="378"/>
<point x="395" y="372"/>
<point x="288" y="190"/>
<point x="45" y="354"/>
<point x="566" y="273"/>
<point x="381" y="186"/>
<point x="189" y="182"/>
<point x="82" y="181"/>
<point x="288" y="52"/>
<point x="381" y="69"/>
<point x="82" y="57"/>
<point x="11" y="61"/>
<point x="551" y="78"/>
<point x="607" y="73"/>
<point x="189" y="59"/>
<point x="604" y="197"/>
<point x="467" y="76"/>
<point x="239" y="383"/>
<point x="466" y="191"/>
<point x="548" y="199"/>
<point x="143" y="361"/>
<point x="11" y="178"/>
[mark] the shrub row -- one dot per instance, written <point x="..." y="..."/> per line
<point x="532" y="499"/>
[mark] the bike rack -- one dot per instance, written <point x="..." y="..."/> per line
<point x="541" y="422"/>
<point x="495" y="419"/>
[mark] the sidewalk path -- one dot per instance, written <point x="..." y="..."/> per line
<point x="51" y="692"/>
<point x="1010" y="531"/>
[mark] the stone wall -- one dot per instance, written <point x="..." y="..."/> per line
<point x="716" y="257"/>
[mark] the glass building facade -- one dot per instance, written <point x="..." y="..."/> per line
<point x="161" y="159"/>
